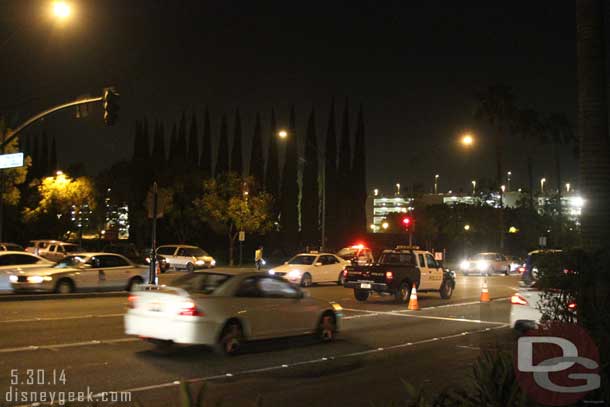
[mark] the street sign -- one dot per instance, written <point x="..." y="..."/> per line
<point x="11" y="160"/>
<point x="242" y="236"/>
<point x="438" y="256"/>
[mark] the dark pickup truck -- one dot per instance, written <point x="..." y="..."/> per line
<point x="395" y="273"/>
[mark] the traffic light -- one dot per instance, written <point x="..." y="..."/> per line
<point x="111" y="106"/>
<point x="406" y="222"/>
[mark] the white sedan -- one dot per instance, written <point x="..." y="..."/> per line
<point x="309" y="268"/>
<point x="224" y="309"/>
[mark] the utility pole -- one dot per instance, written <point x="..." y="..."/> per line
<point x="152" y="274"/>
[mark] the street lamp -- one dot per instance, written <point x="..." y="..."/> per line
<point x="436" y="184"/>
<point x="282" y="133"/>
<point x="466" y="227"/>
<point x="385" y="225"/>
<point x="568" y="187"/>
<point x="467" y="140"/>
<point x="542" y="181"/>
<point x="61" y="10"/>
<point x="508" y="174"/>
<point x="474" y="187"/>
<point x="397" y="189"/>
<point x="376" y="192"/>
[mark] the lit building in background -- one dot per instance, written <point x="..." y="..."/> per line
<point x="382" y="206"/>
<point x="116" y="220"/>
<point x="80" y="216"/>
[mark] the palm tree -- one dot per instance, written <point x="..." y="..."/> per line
<point x="593" y="121"/>
<point x="495" y="105"/>
<point x="527" y="124"/>
<point x="559" y="132"/>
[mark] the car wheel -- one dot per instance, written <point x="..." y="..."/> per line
<point x="161" y="347"/>
<point x="341" y="279"/>
<point x="507" y="272"/>
<point x="327" y="328"/>
<point x="306" y="280"/>
<point x="134" y="281"/>
<point x="64" y="286"/>
<point x="189" y="267"/>
<point x="403" y="294"/>
<point x="361" y="295"/>
<point x="446" y="289"/>
<point x="231" y="339"/>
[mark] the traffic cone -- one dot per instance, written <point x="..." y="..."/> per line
<point x="484" y="292"/>
<point x="413" y="304"/>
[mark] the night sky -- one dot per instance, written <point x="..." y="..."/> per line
<point x="414" y="67"/>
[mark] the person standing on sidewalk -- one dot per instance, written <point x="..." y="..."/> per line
<point x="258" y="257"/>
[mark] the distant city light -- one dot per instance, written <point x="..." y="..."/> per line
<point x="61" y="9"/>
<point x="466" y="227"/>
<point x="282" y="133"/>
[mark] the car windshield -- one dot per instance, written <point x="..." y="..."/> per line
<point x="195" y="252"/>
<point x="483" y="256"/>
<point x="306" y="260"/>
<point x="72" y="248"/>
<point x="400" y="259"/>
<point x="205" y="283"/>
<point x="71" y="261"/>
<point x="347" y="253"/>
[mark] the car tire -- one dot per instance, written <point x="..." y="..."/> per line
<point x="189" y="267"/>
<point x="306" y="280"/>
<point x="231" y="339"/>
<point x="361" y="295"/>
<point x="341" y="279"/>
<point x="446" y="289"/>
<point x="507" y="272"/>
<point x="326" y="330"/>
<point x="65" y="286"/>
<point x="132" y="282"/>
<point x="403" y="294"/>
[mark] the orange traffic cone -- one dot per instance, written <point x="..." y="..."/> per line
<point x="413" y="304"/>
<point x="484" y="292"/>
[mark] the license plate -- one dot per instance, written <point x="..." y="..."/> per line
<point x="155" y="307"/>
<point x="365" y="285"/>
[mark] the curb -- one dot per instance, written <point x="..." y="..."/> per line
<point x="42" y="297"/>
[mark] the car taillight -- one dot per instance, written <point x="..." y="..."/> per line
<point x="572" y="306"/>
<point x="189" y="309"/>
<point x="389" y="276"/>
<point x="518" y="300"/>
<point x="521" y="270"/>
<point x="345" y="273"/>
<point x="131" y="301"/>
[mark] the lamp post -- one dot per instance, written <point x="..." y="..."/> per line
<point x="508" y="175"/>
<point x="568" y="187"/>
<point x="397" y="189"/>
<point x="542" y="181"/>
<point x="474" y="187"/>
<point x="436" y="184"/>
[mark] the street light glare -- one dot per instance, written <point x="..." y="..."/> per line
<point x="467" y="140"/>
<point x="61" y="9"/>
<point x="282" y="133"/>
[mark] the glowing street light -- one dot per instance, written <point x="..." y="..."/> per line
<point x="466" y="227"/>
<point x="376" y="192"/>
<point x="568" y="187"/>
<point x="397" y="189"/>
<point x="436" y="183"/>
<point x="385" y="225"/>
<point x="282" y="134"/>
<point x="542" y="181"/>
<point x="467" y="140"/>
<point x="474" y="187"/>
<point x="508" y="174"/>
<point x="61" y="10"/>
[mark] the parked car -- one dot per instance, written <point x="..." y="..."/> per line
<point x="56" y="251"/>
<point x="225" y="309"/>
<point x="83" y="271"/>
<point x="186" y="257"/>
<point x="357" y="254"/>
<point x="36" y="245"/>
<point x="486" y="264"/>
<point x="313" y="267"/>
<point x="130" y="251"/>
<point x="13" y="262"/>
<point x="11" y="247"/>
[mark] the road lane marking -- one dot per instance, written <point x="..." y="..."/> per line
<point x="42" y="319"/>
<point x="391" y="313"/>
<point x="67" y="345"/>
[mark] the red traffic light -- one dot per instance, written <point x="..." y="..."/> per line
<point x="406" y="221"/>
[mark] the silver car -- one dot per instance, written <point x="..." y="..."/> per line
<point x="186" y="257"/>
<point x="12" y="262"/>
<point x="85" y="271"/>
<point x="224" y="309"/>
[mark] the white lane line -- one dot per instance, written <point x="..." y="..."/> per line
<point x="42" y="319"/>
<point x="307" y="362"/>
<point x="67" y="345"/>
<point x="396" y="314"/>
<point x="468" y="347"/>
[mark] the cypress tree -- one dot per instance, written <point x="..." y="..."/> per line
<point x="237" y="165"/>
<point x="173" y="147"/>
<point x="344" y="177"/>
<point x="205" y="161"/>
<point x="181" y="144"/>
<point x="289" y="205"/>
<point x="145" y="141"/>
<point x="330" y="178"/>
<point x="310" y="200"/>
<point x="257" y="164"/>
<point x="158" y="150"/>
<point x="222" y="160"/>
<point x="272" y="173"/>
<point x="359" y="178"/>
<point x="44" y="155"/>
<point x="193" y="153"/>
<point x="53" y="156"/>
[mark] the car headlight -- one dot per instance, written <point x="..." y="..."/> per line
<point x="483" y="265"/>
<point x="272" y="272"/>
<point x="39" y="279"/>
<point x="294" y="274"/>
<point x="464" y="264"/>
<point x="213" y="262"/>
<point x="13" y="279"/>
<point x="200" y="262"/>
<point x="337" y="307"/>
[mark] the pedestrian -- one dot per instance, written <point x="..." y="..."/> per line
<point x="258" y="257"/>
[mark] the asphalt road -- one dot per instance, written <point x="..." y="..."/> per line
<point x="380" y="343"/>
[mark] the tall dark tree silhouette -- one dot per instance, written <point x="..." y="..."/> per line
<point x="593" y="121"/>
<point x="173" y="147"/>
<point x="257" y="163"/>
<point x="289" y="198"/>
<point x="310" y="202"/>
<point x="559" y="134"/>
<point x="528" y="125"/>
<point x="205" y="159"/>
<point x="158" y="150"/>
<point x="44" y="155"/>
<point x="222" y="160"/>
<point x="272" y="171"/>
<point x="359" y="178"/>
<point x="181" y="146"/>
<point x="331" y="181"/>
<point x="193" y="150"/>
<point x="345" y="186"/>
<point x="53" y="156"/>
<point x="237" y="165"/>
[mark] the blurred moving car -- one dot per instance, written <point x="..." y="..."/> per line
<point x="224" y="309"/>
<point x="525" y="313"/>
<point x="313" y="267"/>
<point x="84" y="271"/>
<point x="130" y="251"/>
<point x="486" y="264"/>
<point x="56" y="250"/>
<point x="11" y="247"/>
<point x="12" y="262"/>
<point x="36" y="245"/>
<point x="357" y="255"/>
<point x="186" y="257"/>
<point x="515" y="264"/>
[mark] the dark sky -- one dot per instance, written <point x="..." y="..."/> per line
<point x="414" y="66"/>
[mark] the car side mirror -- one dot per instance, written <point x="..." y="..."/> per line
<point x="318" y="264"/>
